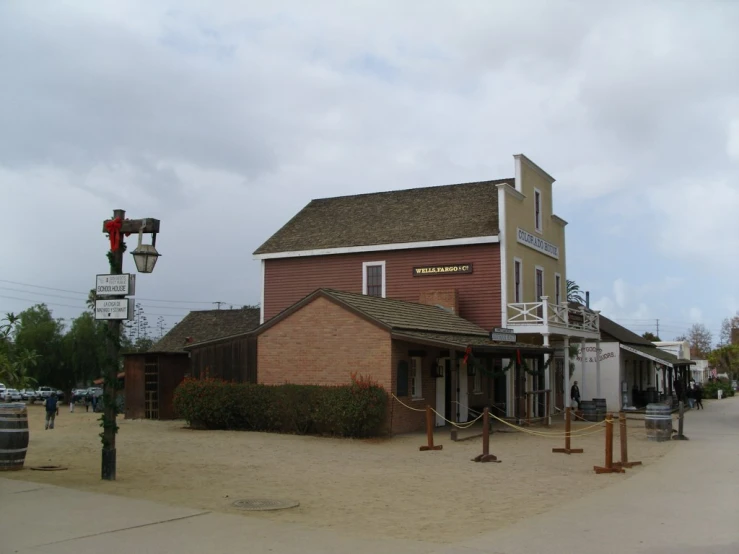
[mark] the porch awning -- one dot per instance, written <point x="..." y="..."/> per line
<point x="479" y="344"/>
<point x="656" y="355"/>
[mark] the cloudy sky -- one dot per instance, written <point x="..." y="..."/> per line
<point x="223" y="119"/>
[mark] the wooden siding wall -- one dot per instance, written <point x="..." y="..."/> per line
<point x="172" y="371"/>
<point x="233" y="360"/>
<point x="291" y="279"/>
<point x="134" y="386"/>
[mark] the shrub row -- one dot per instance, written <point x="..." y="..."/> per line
<point x="710" y="389"/>
<point x="354" y="410"/>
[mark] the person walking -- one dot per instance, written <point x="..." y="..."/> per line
<point x="575" y="394"/>
<point x="691" y="395"/>
<point x="88" y="401"/>
<point x="52" y="410"/>
<point x="698" y="396"/>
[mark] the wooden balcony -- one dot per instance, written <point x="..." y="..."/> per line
<point x="554" y="319"/>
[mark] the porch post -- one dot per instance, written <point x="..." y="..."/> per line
<point x="582" y="357"/>
<point x="455" y="384"/>
<point x="547" y="379"/>
<point x="597" y="367"/>
<point x="567" y="372"/>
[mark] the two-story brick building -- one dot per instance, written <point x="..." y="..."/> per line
<point x="492" y="252"/>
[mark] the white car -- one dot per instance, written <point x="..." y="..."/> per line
<point x="44" y="392"/>
<point x="12" y="395"/>
<point x="29" y="395"/>
<point x="2" y="390"/>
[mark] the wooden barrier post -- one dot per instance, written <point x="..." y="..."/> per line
<point x="486" y="456"/>
<point x="568" y="430"/>
<point x="622" y="433"/>
<point x="680" y="436"/>
<point x="609" y="466"/>
<point x="430" y="431"/>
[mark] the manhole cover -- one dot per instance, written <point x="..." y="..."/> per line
<point x="48" y="468"/>
<point x="260" y="504"/>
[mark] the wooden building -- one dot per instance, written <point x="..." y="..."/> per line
<point x="152" y="377"/>
<point x="493" y="252"/>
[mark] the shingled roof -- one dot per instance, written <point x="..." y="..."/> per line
<point x="413" y="215"/>
<point x="408" y="320"/>
<point x="622" y="334"/>
<point x="205" y="325"/>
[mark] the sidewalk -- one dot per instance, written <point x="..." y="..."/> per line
<point x="685" y="503"/>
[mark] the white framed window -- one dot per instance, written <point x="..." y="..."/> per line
<point x="477" y="382"/>
<point x="537" y="209"/>
<point x="557" y="289"/>
<point x="416" y="374"/>
<point x="373" y="279"/>
<point x="517" y="280"/>
<point x="539" y="287"/>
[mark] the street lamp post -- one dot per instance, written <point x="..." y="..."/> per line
<point x="145" y="257"/>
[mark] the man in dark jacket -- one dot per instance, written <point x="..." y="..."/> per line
<point x="698" y="396"/>
<point x="575" y="394"/>
<point x="52" y="409"/>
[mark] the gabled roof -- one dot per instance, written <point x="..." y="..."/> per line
<point x="403" y="216"/>
<point x="622" y="334"/>
<point x="408" y="321"/>
<point x="206" y="325"/>
<point x="656" y="354"/>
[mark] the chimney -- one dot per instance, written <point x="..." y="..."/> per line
<point x="448" y="298"/>
<point x="587" y="299"/>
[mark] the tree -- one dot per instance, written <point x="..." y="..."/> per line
<point x="651" y="337"/>
<point x="726" y="360"/>
<point x="574" y="294"/>
<point x="37" y="331"/>
<point x="15" y="363"/>
<point x="84" y="348"/>
<point x="726" y="326"/>
<point x="91" y="299"/>
<point x="700" y="340"/>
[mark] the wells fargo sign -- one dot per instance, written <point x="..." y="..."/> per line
<point x="442" y="269"/>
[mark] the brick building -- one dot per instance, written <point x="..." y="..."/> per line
<point x="492" y="252"/>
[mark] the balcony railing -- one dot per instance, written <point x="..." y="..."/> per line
<point x="548" y="317"/>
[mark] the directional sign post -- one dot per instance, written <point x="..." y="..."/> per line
<point x="114" y="309"/>
<point x="115" y="285"/>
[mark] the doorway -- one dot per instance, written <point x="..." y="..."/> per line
<point x="442" y="393"/>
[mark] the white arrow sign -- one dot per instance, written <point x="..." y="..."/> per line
<point x="115" y="308"/>
<point x="115" y="285"/>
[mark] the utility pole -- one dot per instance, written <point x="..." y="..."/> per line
<point x="658" y="328"/>
<point x="218" y="304"/>
<point x="116" y="229"/>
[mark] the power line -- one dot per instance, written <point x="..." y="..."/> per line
<point x="79" y="307"/>
<point x="86" y="293"/>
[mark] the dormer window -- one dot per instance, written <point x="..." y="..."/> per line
<point x="537" y="209"/>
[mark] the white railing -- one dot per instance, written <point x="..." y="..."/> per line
<point x="557" y="316"/>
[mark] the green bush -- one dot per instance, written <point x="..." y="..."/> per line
<point x="354" y="410"/>
<point x="710" y="389"/>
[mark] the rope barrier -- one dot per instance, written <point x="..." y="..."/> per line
<point x="459" y="426"/>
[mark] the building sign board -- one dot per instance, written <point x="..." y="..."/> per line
<point x="115" y="285"/>
<point x="504" y="330"/>
<point x="449" y="269"/>
<point x="503" y="337"/>
<point x="537" y="243"/>
<point x="114" y="308"/>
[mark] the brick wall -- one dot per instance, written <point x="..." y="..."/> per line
<point x="322" y="344"/>
<point x="449" y="298"/>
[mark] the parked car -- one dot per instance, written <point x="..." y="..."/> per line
<point x="735" y="385"/>
<point x="12" y="395"/>
<point x="29" y="395"/>
<point x="2" y="390"/>
<point x="44" y="392"/>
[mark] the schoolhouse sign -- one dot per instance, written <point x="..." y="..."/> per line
<point x="442" y="269"/>
<point x="537" y="243"/>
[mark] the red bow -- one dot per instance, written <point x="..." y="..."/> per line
<point x="114" y="232"/>
<point x="467" y="354"/>
<point x="518" y="357"/>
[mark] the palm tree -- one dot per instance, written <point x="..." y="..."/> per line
<point x="92" y="297"/>
<point x="574" y="294"/>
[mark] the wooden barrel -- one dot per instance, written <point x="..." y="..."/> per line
<point x="600" y="409"/>
<point x="658" y="422"/>
<point x="13" y="436"/>
<point x="588" y="410"/>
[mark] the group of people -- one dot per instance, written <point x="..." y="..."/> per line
<point x="52" y="407"/>
<point x="694" y="394"/>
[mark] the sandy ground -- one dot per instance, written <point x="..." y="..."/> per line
<point x="360" y="488"/>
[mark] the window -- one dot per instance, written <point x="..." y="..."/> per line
<point x="373" y="279"/>
<point x="416" y="390"/>
<point x="537" y="209"/>
<point x="539" y="290"/>
<point x="401" y="388"/>
<point x="557" y="289"/>
<point x="477" y="382"/>
<point x="517" y="280"/>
